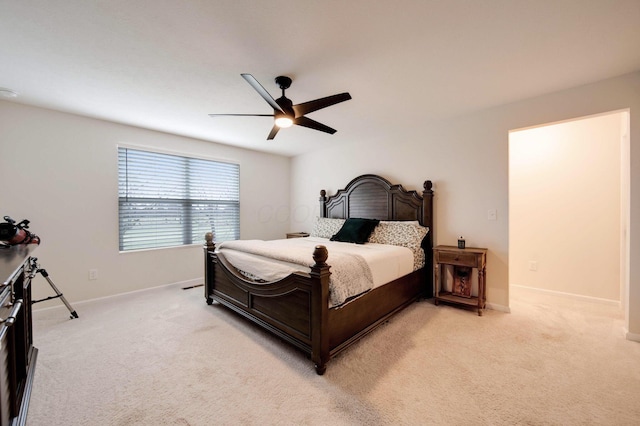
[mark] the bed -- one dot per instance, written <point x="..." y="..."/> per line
<point x="297" y="307"/>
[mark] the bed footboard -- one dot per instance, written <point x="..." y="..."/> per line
<point x="294" y="308"/>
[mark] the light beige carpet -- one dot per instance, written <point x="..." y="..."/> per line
<point x="163" y="357"/>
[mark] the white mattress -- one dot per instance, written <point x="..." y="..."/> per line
<point x="387" y="262"/>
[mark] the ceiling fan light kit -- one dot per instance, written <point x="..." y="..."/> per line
<point x="284" y="112"/>
<point x="283" y="121"/>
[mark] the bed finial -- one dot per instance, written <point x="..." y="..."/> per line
<point x="323" y="203"/>
<point x="428" y="185"/>
<point x="320" y="255"/>
<point x="208" y="237"/>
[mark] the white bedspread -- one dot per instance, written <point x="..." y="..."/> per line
<point x="355" y="268"/>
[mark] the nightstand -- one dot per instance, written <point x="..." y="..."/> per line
<point x="297" y="234"/>
<point x="464" y="259"/>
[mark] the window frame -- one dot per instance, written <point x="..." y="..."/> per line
<point x="185" y="203"/>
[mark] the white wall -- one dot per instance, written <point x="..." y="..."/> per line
<point x="60" y="172"/>
<point x="67" y="163"/>
<point x="564" y="207"/>
<point x="467" y="159"/>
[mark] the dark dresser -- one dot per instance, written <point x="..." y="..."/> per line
<point x="17" y="354"/>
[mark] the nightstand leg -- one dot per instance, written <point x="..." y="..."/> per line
<point x="481" y="291"/>
<point x="436" y="282"/>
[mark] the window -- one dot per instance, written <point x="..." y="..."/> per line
<point x="168" y="200"/>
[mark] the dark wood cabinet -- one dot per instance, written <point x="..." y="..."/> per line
<point x="17" y="353"/>
<point x="471" y="258"/>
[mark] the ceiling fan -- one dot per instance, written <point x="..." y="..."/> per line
<point x="285" y="113"/>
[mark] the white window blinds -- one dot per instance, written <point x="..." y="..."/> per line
<point x="168" y="200"/>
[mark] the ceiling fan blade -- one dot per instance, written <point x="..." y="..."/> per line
<point x="262" y="91"/>
<point x="240" y="115"/>
<point x="273" y="132"/>
<point x="312" y="124"/>
<point x="307" y="107"/>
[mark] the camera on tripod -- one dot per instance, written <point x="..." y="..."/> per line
<point x="12" y="233"/>
<point x="17" y="233"/>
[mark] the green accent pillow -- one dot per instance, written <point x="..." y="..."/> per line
<point x="356" y="230"/>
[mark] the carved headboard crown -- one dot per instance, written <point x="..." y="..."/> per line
<point x="374" y="197"/>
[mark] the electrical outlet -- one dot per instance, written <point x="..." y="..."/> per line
<point x="93" y="274"/>
<point x="533" y="265"/>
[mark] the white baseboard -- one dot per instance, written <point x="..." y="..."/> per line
<point x="186" y="283"/>
<point x="496" y="307"/>
<point x="634" y="337"/>
<point x="574" y="296"/>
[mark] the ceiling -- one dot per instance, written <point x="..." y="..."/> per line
<point x="166" y="64"/>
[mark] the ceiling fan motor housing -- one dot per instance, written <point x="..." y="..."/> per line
<point x="286" y="105"/>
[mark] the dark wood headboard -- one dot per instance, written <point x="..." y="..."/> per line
<point x="374" y="197"/>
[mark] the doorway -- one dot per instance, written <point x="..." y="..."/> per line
<point x="569" y="208"/>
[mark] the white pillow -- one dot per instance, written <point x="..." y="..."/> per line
<point x="326" y="227"/>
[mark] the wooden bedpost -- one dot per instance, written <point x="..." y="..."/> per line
<point x="427" y="210"/>
<point x="320" y="309"/>
<point x="323" y="203"/>
<point x="209" y="271"/>
<point x="427" y="200"/>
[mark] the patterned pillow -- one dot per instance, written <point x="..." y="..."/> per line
<point x="405" y="234"/>
<point x="326" y="227"/>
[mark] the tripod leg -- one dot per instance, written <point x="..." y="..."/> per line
<point x="53" y="286"/>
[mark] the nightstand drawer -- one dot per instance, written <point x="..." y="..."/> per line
<point x="460" y="259"/>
